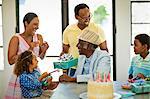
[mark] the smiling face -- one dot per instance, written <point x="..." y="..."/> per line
<point x="83" y="47"/>
<point x="86" y="48"/>
<point x="32" y="26"/>
<point x="84" y="17"/>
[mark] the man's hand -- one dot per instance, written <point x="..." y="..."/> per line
<point x="53" y="85"/>
<point x="65" y="78"/>
<point x="65" y="49"/>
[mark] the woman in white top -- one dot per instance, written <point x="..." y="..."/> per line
<point x="27" y="40"/>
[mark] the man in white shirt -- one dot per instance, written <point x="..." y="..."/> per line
<point x="91" y="60"/>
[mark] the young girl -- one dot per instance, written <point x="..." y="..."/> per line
<point x="140" y="65"/>
<point x="31" y="82"/>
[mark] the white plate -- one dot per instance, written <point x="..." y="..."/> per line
<point x="117" y="96"/>
<point x="84" y="96"/>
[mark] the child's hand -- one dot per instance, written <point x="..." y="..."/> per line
<point x="45" y="74"/>
<point x="131" y="80"/>
<point x="126" y="86"/>
<point x="141" y="76"/>
<point x="49" y="80"/>
<point x="130" y="76"/>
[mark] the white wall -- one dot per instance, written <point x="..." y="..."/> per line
<point x="9" y="21"/>
<point x="122" y="38"/>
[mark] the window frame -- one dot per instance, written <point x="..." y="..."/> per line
<point x="2" y="28"/>
<point x="131" y="16"/>
<point x="2" y="46"/>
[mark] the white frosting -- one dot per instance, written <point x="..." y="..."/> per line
<point x="100" y="90"/>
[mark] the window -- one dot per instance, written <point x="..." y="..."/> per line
<point x="49" y="13"/>
<point x="1" y="40"/>
<point x="140" y="19"/>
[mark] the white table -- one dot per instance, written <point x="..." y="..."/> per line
<point x="73" y="90"/>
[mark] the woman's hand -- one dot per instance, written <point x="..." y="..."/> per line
<point x="46" y="46"/>
<point x="15" y="57"/>
<point x="43" y="49"/>
<point x="34" y="44"/>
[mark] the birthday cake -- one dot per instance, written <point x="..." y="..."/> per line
<point x="100" y="90"/>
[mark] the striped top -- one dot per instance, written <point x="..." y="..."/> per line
<point x="140" y="65"/>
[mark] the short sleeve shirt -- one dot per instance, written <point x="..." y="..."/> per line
<point x="30" y="85"/>
<point x="140" y="65"/>
<point x="71" y="33"/>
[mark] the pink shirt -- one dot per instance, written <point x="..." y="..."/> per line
<point x="23" y="45"/>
